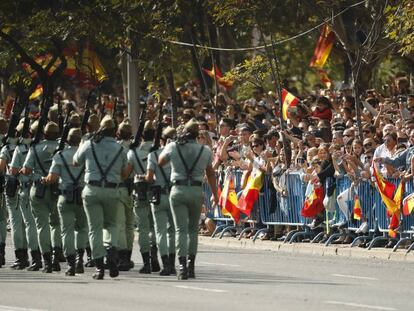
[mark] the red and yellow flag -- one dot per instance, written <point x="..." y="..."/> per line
<point x="357" y="208"/>
<point x="313" y="204"/>
<point x="91" y="70"/>
<point x="228" y="199"/>
<point x="288" y="100"/>
<point x="250" y="194"/>
<point x="323" y="75"/>
<point x="323" y="47"/>
<point x="392" y="201"/>
<point x="408" y="205"/>
<point x="216" y="74"/>
<point x="37" y="92"/>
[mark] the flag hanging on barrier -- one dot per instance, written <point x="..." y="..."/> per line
<point x="250" y="194"/>
<point x="357" y="208"/>
<point x="228" y="199"/>
<point x="313" y="204"/>
<point x="408" y="205"/>
<point x="392" y="201"/>
<point x="288" y="100"/>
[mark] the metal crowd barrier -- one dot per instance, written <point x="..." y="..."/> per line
<point x="274" y="209"/>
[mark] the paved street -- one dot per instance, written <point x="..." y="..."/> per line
<point x="226" y="279"/>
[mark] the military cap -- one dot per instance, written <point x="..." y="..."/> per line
<point x="191" y="126"/>
<point x="34" y="126"/>
<point x="93" y="121"/>
<point x="75" y="133"/>
<point x="3" y="126"/>
<point x="51" y="128"/>
<point x="169" y="132"/>
<point x="125" y="126"/>
<point x="74" y="120"/>
<point x="107" y="123"/>
<point x="53" y="113"/>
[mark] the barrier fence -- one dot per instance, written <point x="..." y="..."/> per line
<point x="273" y="209"/>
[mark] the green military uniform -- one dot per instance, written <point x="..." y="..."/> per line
<point x="15" y="216"/>
<point x="126" y="220"/>
<point x="23" y="206"/>
<point x="104" y="161"/>
<point x="189" y="161"/>
<point x="43" y="200"/>
<point x="161" y="211"/>
<point x="71" y="213"/>
<point x="3" y="209"/>
<point x="145" y="224"/>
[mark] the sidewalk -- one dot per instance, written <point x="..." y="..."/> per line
<point x="311" y="249"/>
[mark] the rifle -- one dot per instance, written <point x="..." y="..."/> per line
<point x="87" y="112"/>
<point x="158" y="133"/>
<point x="26" y="123"/>
<point x="61" y="120"/>
<point x="14" y="121"/>
<point x="65" y="133"/>
<point x="137" y="138"/>
<point x="46" y="104"/>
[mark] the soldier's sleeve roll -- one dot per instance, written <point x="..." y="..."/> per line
<point x="56" y="167"/>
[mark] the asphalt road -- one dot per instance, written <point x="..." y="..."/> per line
<point x="226" y="279"/>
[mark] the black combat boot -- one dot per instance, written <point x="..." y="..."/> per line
<point x="191" y="262"/>
<point x="16" y="264"/>
<point x="146" y="269"/>
<point x="112" y="259"/>
<point x="166" y="265"/>
<point x="71" y="259"/>
<point x="155" y="265"/>
<point x="131" y="262"/>
<point x="79" y="261"/>
<point x="2" y="254"/>
<point x="58" y="252"/>
<point x="172" y="264"/>
<point x="47" y="259"/>
<point x="123" y="260"/>
<point x="55" y="261"/>
<point x="100" y="269"/>
<point x="183" y="273"/>
<point x="25" y="259"/>
<point x="89" y="261"/>
<point x="36" y="261"/>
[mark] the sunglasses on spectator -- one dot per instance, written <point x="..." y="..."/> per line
<point x="348" y="135"/>
<point x="366" y="131"/>
<point x="256" y="145"/>
<point x="367" y="145"/>
<point x="316" y="162"/>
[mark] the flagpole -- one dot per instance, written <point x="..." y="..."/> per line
<point x="276" y="78"/>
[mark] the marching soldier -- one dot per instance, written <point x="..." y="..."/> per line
<point x="3" y="209"/>
<point x="137" y="159"/>
<point x="160" y="205"/>
<point x="71" y="213"/>
<point x="189" y="161"/>
<point x="23" y="193"/>
<point x="43" y="199"/>
<point x="126" y="207"/>
<point x="15" y="216"/>
<point x="105" y="164"/>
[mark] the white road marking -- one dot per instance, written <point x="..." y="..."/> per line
<point x="11" y="308"/>
<point x="355" y="277"/>
<point x="358" y="305"/>
<point x="218" y="264"/>
<point x="203" y="289"/>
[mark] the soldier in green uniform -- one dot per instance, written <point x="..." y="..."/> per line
<point x="160" y="206"/>
<point x="137" y="160"/>
<point x="71" y="213"/>
<point x="3" y="209"/>
<point x="189" y="162"/>
<point x="126" y="207"/>
<point x="15" y="216"/>
<point x="22" y="199"/>
<point x="105" y="168"/>
<point x="43" y="199"/>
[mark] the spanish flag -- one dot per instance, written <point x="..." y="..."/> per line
<point x="408" y="205"/>
<point x="288" y="100"/>
<point x="357" y="208"/>
<point x="313" y="204"/>
<point x="216" y="74"/>
<point x="323" y="47"/>
<point x="91" y="71"/>
<point x="323" y="75"/>
<point x="228" y="199"/>
<point x="37" y="92"/>
<point x="250" y="193"/>
<point x="392" y="201"/>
